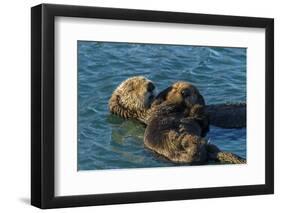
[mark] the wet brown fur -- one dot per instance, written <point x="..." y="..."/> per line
<point x="177" y="125"/>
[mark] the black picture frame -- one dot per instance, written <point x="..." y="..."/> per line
<point x="43" y="102"/>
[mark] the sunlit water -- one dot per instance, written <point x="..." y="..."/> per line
<point x="108" y="142"/>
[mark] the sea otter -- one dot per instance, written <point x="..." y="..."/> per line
<point x="134" y="96"/>
<point x="178" y="124"/>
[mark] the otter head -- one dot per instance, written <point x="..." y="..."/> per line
<point x="132" y="97"/>
<point x="181" y="93"/>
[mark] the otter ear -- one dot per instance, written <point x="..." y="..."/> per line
<point x="161" y="97"/>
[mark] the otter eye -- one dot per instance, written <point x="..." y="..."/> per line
<point x="186" y="92"/>
<point x="150" y="87"/>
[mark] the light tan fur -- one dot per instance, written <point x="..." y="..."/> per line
<point x="132" y="98"/>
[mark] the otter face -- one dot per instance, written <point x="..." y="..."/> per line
<point x="181" y="92"/>
<point x="132" y="96"/>
<point x="137" y="92"/>
<point x="185" y="92"/>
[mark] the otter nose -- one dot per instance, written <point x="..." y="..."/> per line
<point x="150" y="87"/>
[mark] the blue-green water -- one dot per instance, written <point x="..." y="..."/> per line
<point x="108" y="142"/>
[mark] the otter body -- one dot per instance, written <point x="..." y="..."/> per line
<point x="177" y="124"/>
<point x="177" y="134"/>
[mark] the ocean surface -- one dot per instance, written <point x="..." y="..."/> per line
<point x="106" y="141"/>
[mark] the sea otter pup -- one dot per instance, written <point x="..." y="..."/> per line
<point x="178" y="124"/>
<point x="134" y="96"/>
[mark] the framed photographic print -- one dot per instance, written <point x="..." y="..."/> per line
<point x="140" y="106"/>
